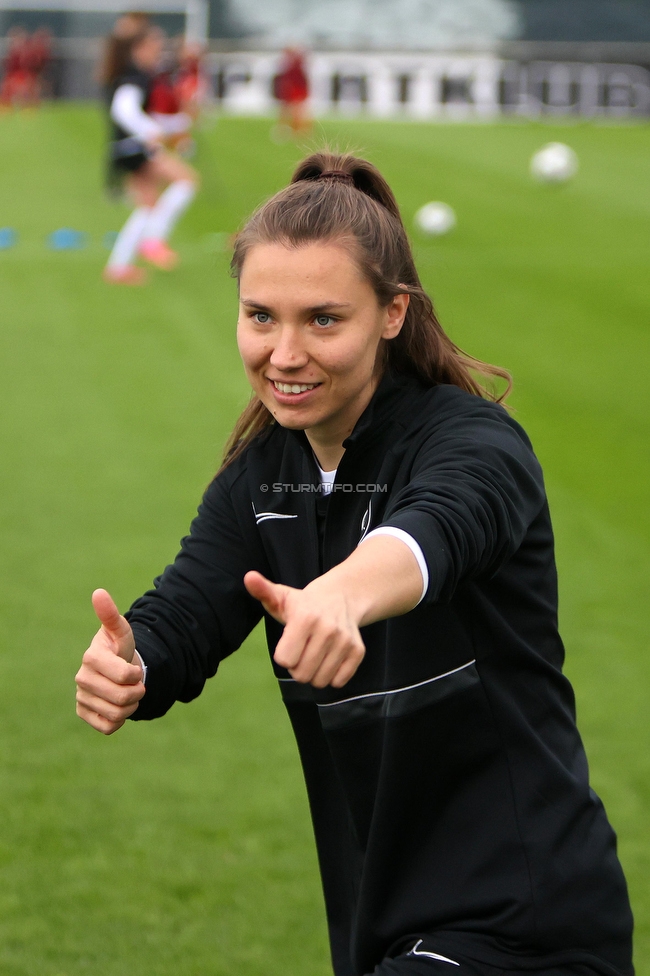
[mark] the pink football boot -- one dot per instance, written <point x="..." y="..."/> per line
<point x="159" y="254"/>
<point x="127" y="275"/>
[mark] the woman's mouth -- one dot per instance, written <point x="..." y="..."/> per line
<point x="292" y="393"/>
<point x="293" y="387"/>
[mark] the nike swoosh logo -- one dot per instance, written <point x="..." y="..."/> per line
<point x="431" y="955"/>
<point x="267" y="516"/>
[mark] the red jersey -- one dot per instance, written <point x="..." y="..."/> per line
<point x="163" y="98"/>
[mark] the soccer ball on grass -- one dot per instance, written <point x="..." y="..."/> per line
<point x="554" y="163"/>
<point x="435" y="218"/>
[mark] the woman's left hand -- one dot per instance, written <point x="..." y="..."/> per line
<point x="321" y="643"/>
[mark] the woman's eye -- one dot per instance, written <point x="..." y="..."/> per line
<point x="324" y="321"/>
<point x="262" y="317"/>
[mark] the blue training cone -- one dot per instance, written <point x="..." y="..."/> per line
<point x="8" y="237"/>
<point x="66" y="239"/>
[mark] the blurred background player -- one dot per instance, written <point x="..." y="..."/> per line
<point x="176" y="96"/>
<point x="38" y="57"/>
<point x="161" y="184"/>
<point x="25" y="68"/>
<point x="165" y="109"/>
<point x="292" y="91"/>
<point x="15" y="87"/>
<point x="191" y="83"/>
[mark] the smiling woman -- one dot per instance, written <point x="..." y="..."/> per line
<point x="388" y="520"/>
<point x="309" y="332"/>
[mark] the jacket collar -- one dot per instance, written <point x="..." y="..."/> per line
<point x="383" y="408"/>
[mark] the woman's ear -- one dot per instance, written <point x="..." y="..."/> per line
<point x="395" y="315"/>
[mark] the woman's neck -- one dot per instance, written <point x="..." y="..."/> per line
<point x="327" y="439"/>
<point x="327" y="455"/>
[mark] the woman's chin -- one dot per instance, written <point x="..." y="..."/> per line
<point x="293" y="419"/>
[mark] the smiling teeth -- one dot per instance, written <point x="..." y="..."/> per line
<point x="293" y="387"/>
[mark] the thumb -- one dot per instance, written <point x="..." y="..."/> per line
<point x="272" y="596"/>
<point x="115" y="627"/>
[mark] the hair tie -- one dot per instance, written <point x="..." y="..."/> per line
<point x="336" y="174"/>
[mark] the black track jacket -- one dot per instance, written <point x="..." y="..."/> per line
<point x="447" y="780"/>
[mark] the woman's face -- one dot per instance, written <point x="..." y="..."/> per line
<point x="148" y="53"/>
<point x="309" y="329"/>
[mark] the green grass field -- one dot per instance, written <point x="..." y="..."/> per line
<point x="183" y="847"/>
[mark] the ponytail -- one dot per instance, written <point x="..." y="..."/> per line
<point x="359" y="173"/>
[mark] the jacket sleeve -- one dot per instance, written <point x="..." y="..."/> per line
<point x="126" y="110"/>
<point x="199" y="611"/>
<point x="475" y="488"/>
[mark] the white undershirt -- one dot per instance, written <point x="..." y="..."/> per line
<point x="327" y="485"/>
<point x="326" y="480"/>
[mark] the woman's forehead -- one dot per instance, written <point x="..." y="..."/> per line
<point x="310" y="277"/>
<point x="307" y="264"/>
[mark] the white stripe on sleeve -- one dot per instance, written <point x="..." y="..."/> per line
<point x="413" y="546"/>
<point x="143" y="666"/>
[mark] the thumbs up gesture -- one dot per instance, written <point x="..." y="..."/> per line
<point x="109" y="683"/>
<point x="321" y="643"/>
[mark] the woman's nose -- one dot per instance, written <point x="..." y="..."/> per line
<point x="288" y="352"/>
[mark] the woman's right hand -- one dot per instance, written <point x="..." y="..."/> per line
<point x="109" y="684"/>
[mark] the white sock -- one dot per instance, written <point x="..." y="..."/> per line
<point x="169" y="207"/>
<point x="128" y="239"/>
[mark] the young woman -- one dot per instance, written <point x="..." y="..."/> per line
<point x="161" y="184"/>
<point x="388" y="520"/>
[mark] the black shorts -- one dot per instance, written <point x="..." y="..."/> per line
<point x="425" y="961"/>
<point x="129" y="155"/>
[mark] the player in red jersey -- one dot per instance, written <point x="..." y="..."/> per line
<point x="38" y="56"/>
<point x="15" y="88"/>
<point x="292" y="91"/>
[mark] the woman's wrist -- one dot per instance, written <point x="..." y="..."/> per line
<point x="378" y="580"/>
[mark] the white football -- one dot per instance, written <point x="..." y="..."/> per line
<point x="435" y="218"/>
<point x="554" y="163"/>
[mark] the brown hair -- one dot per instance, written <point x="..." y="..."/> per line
<point x="343" y="198"/>
<point x="128" y="31"/>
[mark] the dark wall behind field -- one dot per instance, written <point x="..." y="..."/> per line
<point x="542" y="20"/>
<point x="585" y="20"/>
<point x="223" y="23"/>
